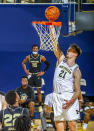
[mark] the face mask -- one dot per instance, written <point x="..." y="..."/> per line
<point x="34" y="53"/>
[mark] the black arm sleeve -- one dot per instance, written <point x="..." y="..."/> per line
<point x="47" y="65"/>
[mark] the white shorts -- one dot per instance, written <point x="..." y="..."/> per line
<point x="60" y="114"/>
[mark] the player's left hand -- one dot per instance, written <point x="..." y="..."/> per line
<point x="67" y="104"/>
<point x="40" y="73"/>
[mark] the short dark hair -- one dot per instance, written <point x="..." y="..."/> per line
<point x="22" y="123"/>
<point x="35" y="45"/>
<point x="10" y="97"/>
<point x="76" y="48"/>
<point x="24" y="77"/>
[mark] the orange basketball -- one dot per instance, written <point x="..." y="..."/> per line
<point x="52" y="13"/>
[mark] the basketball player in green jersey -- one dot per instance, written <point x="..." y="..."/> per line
<point x="9" y="115"/>
<point x="34" y="73"/>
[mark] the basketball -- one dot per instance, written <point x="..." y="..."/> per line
<point x="52" y="13"/>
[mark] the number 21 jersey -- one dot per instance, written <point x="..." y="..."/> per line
<point x="63" y="77"/>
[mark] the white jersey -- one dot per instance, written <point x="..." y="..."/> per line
<point x="63" y="78"/>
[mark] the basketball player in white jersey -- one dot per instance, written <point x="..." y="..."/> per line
<point x="66" y="84"/>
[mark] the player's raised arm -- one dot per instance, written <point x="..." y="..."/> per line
<point x="56" y="49"/>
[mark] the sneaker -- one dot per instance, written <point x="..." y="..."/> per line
<point x="40" y="109"/>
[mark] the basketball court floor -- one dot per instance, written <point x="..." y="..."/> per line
<point x="37" y="126"/>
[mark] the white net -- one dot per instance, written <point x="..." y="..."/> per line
<point x="46" y="37"/>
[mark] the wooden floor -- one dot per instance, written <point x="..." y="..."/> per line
<point x="90" y="126"/>
<point x="37" y="126"/>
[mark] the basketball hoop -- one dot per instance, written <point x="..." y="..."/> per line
<point x="46" y="38"/>
<point x="49" y="31"/>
